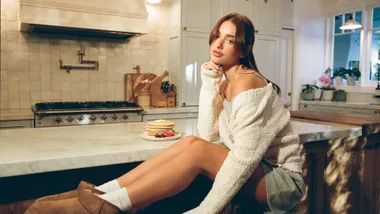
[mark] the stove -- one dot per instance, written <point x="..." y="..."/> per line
<point x="51" y="114"/>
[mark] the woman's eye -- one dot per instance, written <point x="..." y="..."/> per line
<point x="230" y="41"/>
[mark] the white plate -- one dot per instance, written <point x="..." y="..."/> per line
<point x="146" y="137"/>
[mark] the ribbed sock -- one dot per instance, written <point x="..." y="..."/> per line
<point x="109" y="186"/>
<point x="119" y="198"/>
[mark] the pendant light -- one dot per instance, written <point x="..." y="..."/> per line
<point x="153" y="1"/>
<point x="350" y="24"/>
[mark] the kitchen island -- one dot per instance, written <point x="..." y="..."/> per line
<point x="29" y="151"/>
<point x="37" y="162"/>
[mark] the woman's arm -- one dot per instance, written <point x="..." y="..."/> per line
<point x="208" y="127"/>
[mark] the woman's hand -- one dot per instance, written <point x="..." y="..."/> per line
<point x="210" y="65"/>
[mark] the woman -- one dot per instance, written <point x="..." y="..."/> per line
<point x="260" y="160"/>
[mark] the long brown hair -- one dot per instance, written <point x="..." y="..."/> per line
<point x="245" y="37"/>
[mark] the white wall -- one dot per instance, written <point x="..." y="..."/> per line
<point x="29" y="63"/>
<point x="309" y="45"/>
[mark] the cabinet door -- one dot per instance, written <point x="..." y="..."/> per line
<point x="286" y="66"/>
<point x="195" y="51"/>
<point x="196" y="15"/>
<point x="268" y="17"/>
<point x="288" y="14"/>
<point x="267" y="55"/>
<point x="245" y="7"/>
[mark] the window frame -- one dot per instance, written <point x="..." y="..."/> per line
<point x="364" y="84"/>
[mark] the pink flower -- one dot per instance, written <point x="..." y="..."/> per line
<point x="325" y="80"/>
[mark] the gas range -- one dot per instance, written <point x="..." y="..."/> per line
<point x="52" y="114"/>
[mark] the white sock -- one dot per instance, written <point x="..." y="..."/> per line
<point x="109" y="186"/>
<point x="119" y="198"/>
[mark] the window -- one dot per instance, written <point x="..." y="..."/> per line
<point x="374" y="53"/>
<point x="357" y="48"/>
<point x="346" y="49"/>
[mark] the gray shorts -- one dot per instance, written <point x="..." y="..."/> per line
<point x="284" y="187"/>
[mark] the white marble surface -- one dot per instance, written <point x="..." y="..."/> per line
<point x="23" y="114"/>
<point x="363" y="105"/>
<point x="29" y="151"/>
<point x="170" y="110"/>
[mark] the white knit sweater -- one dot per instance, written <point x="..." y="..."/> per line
<point x="258" y="128"/>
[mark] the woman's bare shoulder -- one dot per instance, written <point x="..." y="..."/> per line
<point x="248" y="81"/>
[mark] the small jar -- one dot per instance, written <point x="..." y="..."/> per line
<point x="143" y="98"/>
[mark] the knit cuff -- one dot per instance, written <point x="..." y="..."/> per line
<point x="209" y="77"/>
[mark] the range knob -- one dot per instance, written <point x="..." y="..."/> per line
<point x="58" y="120"/>
<point x="70" y="119"/>
<point x="104" y="117"/>
<point x="114" y="117"/>
<point x="81" y="118"/>
<point x="92" y="118"/>
<point x="125" y="117"/>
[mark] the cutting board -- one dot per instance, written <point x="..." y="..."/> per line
<point x="130" y="82"/>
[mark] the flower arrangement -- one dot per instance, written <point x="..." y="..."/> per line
<point x="326" y="81"/>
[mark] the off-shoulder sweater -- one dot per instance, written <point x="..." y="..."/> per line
<point x="258" y="128"/>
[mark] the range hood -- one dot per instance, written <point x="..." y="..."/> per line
<point x="116" y="19"/>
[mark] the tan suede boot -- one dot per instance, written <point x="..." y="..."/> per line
<point x="71" y="194"/>
<point x="18" y="207"/>
<point x="86" y="203"/>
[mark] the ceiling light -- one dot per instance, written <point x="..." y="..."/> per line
<point x="351" y="24"/>
<point x="153" y="1"/>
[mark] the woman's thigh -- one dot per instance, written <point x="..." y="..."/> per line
<point x="211" y="157"/>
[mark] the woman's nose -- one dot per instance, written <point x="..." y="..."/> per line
<point x="219" y="43"/>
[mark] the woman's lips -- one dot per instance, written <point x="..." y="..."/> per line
<point x="217" y="53"/>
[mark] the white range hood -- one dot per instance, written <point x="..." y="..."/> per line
<point x="119" y="19"/>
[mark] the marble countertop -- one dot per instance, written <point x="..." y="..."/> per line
<point x="23" y="114"/>
<point x="37" y="150"/>
<point x="363" y="105"/>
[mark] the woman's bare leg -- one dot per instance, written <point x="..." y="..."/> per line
<point x="155" y="161"/>
<point x="175" y="175"/>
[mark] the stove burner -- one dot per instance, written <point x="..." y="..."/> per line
<point x="84" y="105"/>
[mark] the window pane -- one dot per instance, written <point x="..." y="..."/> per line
<point x="346" y="50"/>
<point x="358" y="17"/>
<point x="376" y="17"/>
<point x="338" y="23"/>
<point x="374" y="52"/>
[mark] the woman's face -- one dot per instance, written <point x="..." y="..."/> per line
<point x="223" y="48"/>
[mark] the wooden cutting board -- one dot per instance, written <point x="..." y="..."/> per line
<point x="129" y="80"/>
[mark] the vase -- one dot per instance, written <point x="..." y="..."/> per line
<point x="317" y="94"/>
<point x="338" y="80"/>
<point x="351" y="81"/>
<point x="307" y="96"/>
<point x="328" y="95"/>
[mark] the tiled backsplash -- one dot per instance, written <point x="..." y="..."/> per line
<point x="30" y="70"/>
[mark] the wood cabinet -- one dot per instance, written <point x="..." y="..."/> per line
<point x="340" y="109"/>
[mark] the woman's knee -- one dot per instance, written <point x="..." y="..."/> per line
<point x="188" y="140"/>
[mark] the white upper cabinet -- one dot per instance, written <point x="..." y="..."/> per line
<point x="288" y="14"/>
<point x="245" y="7"/>
<point x="190" y="25"/>
<point x="196" y="15"/>
<point x="268" y="17"/>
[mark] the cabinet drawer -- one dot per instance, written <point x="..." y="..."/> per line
<point x="16" y="124"/>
